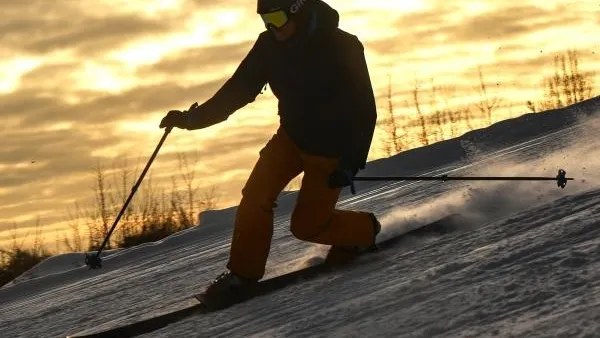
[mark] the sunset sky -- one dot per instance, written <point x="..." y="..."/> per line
<point x="83" y="82"/>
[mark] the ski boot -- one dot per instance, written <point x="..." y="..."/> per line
<point x="226" y="290"/>
<point x="341" y="255"/>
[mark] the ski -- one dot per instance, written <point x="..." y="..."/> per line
<point x="134" y="325"/>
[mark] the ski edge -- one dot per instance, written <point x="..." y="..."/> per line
<point x="143" y="326"/>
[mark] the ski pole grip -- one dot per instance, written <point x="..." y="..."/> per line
<point x="561" y="178"/>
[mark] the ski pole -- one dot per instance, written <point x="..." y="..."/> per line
<point x="93" y="260"/>
<point x="560" y="179"/>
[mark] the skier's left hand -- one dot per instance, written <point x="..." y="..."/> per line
<point x="341" y="177"/>
<point x="177" y="118"/>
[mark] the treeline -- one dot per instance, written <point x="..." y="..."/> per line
<point x="434" y="118"/>
<point x="153" y="215"/>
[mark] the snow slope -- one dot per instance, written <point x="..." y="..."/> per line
<point x="530" y="267"/>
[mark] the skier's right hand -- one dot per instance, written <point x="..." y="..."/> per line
<point x="177" y="118"/>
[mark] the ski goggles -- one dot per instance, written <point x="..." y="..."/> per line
<point x="275" y="19"/>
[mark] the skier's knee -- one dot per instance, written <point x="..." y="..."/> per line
<point x="305" y="228"/>
<point x="299" y="233"/>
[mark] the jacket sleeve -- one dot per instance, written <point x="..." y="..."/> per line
<point x="239" y="90"/>
<point x="361" y="114"/>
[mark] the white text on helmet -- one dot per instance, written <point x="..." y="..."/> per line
<point x="296" y="6"/>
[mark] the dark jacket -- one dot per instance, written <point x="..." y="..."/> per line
<point x="326" y="101"/>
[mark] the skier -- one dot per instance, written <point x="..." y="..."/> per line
<point x="327" y="116"/>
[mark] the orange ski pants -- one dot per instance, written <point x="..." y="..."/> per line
<point x="314" y="218"/>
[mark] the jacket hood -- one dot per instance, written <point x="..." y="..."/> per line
<point x="327" y="18"/>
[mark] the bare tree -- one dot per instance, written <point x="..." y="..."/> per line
<point x="487" y="105"/>
<point x="466" y="116"/>
<point x="435" y="118"/>
<point x="393" y="143"/>
<point x="16" y="244"/>
<point x="421" y="117"/>
<point x="99" y="231"/>
<point x="211" y="197"/>
<point x="38" y="245"/>
<point x="75" y="243"/>
<point x="188" y="174"/>
<point x="450" y="116"/>
<point x="567" y="86"/>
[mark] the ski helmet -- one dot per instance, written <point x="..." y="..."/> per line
<point x="278" y="12"/>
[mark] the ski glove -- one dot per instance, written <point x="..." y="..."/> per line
<point x="177" y="118"/>
<point x="340" y="178"/>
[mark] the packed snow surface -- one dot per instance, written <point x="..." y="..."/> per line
<point x="528" y="266"/>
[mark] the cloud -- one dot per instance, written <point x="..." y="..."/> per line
<point x="505" y="24"/>
<point x="451" y="24"/>
<point x="204" y="4"/>
<point x="198" y="60"/>
<point x="90" y="35"/>
<point x="41" y="27"/>
<point x="415" y="31"/>
<point x="55" y="153"/>
<point x="45" y="76"/>
<point x="41" y="108"/>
